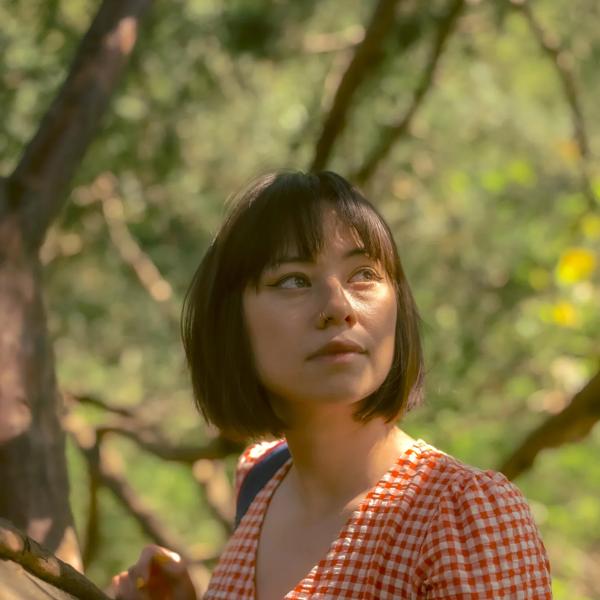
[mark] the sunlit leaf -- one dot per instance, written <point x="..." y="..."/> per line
<point x="565" y="314"/>
<point x="575" y="265"/>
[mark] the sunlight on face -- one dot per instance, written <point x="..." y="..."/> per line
<point x="286" y="329"/>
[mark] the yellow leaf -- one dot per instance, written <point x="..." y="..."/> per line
<point x="565" y="314"/>
<point x="575" y="264"/>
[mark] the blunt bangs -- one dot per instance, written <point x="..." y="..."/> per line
<point x="283" y="215"/>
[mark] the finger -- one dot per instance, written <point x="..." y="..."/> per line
<point x="139" y="573"/>
<point x="167" y="562"/>
<point x="136" y="580"/>
<point x="156" y="574"/>
<point x="115" y="584"/>
<point x="125" y="589"/>
<point x="149" y="555"/>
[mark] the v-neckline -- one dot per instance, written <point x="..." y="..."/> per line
<point x="266" y="495"/>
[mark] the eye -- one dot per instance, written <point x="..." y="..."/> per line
<point x="292" y="282"/>
<point x="366" y="274"/>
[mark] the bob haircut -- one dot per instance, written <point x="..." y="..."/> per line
<point x="276" y="213"/>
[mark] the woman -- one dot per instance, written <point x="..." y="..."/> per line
<point x="300" y="325"/>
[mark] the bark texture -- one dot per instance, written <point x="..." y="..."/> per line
<point x="29" y="571"/>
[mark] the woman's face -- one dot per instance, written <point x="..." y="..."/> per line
<point x="285" y="324"/>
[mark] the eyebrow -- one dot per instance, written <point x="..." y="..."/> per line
<point x="307" y="259"/>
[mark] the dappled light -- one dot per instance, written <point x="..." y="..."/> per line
<point x="471" y="126"/>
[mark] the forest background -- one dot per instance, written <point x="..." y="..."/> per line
<point x="473" y="126"/>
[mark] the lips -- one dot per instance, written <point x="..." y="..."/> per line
<point x="338" y="347"/>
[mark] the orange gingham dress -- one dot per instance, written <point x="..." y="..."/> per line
<point x="432" y="528"/>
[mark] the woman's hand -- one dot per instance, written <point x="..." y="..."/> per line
<point x="159" y="574"/>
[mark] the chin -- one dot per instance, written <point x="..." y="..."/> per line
<point x="340" y="395"/>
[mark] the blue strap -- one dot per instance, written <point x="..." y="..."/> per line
<point x="257" y="478"/>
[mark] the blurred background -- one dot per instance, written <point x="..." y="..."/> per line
<point x="472" y="126"/>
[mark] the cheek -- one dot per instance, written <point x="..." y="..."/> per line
<point x="383" y="321"/>
<point x="381" y="316"/>
<point x="271" y="339"/>
<point x="256" y="330"/>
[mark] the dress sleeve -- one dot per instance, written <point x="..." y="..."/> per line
<point x="484" y="543"/>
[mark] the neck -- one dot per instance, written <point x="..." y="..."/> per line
<point x="336" y="459"/>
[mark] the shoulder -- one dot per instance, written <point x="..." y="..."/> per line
<point x="447" y="477"/>
<point x="481" y="535"/>
<point x="470" y="489"/>
<point x="252" y="455"/>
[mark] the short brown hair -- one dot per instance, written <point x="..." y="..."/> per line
<point x="273" y="212"/>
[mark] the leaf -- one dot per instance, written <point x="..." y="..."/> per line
<point x="575" y="265"/>
<point x="565" y="314"/>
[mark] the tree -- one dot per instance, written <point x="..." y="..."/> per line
<point x="32" y="460"/>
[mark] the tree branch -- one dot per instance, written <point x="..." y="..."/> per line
<point x="211" y="477"/>
<point x="562" y="63"/>
<point x="367" y="56"/>
<point x="98" y="403"/>
<point x="147" y="272"/>
<point x="392" y="133"/>
<point x="569" y="425"/>
<point x="105" y="464"/>
<point x="153" y="443"/>
<point x="37" y="186"/>
<point x="145" y="436"/>
<point x="150" y="523"/>
<point x="92" y="522"/>
<point x="40" y="562"/>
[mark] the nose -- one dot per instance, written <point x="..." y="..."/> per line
<point x="336" y="307"/>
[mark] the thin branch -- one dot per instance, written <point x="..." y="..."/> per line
<point x="159" y="289"/>
<point x="145" y="436"/>
<point x="40" y="562"/>
<point x="390" y="135"/>
<point x="211" y="477"/>
<point x="71" y="398"/>
<point x="571" y="424"/>
<point x="135" y="505"/>
<point x="92" y="529"/>
<point x="37" y="186"/>
<point x="151" y="441"/>
<point x="562" y="63"/>
<point x="367" y="56"/>
<point x="105" y="464"/>
<point x="208" y="473"/>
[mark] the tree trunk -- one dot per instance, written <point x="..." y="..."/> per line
<point x="34" y="493"/>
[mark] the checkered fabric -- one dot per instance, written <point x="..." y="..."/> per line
<point x="432" y="528"/>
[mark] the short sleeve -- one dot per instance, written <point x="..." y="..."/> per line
<point x="484" y="543"/>
<point x="249" y="457"/>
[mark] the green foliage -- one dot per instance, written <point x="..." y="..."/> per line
<point x="484" y="198"/>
